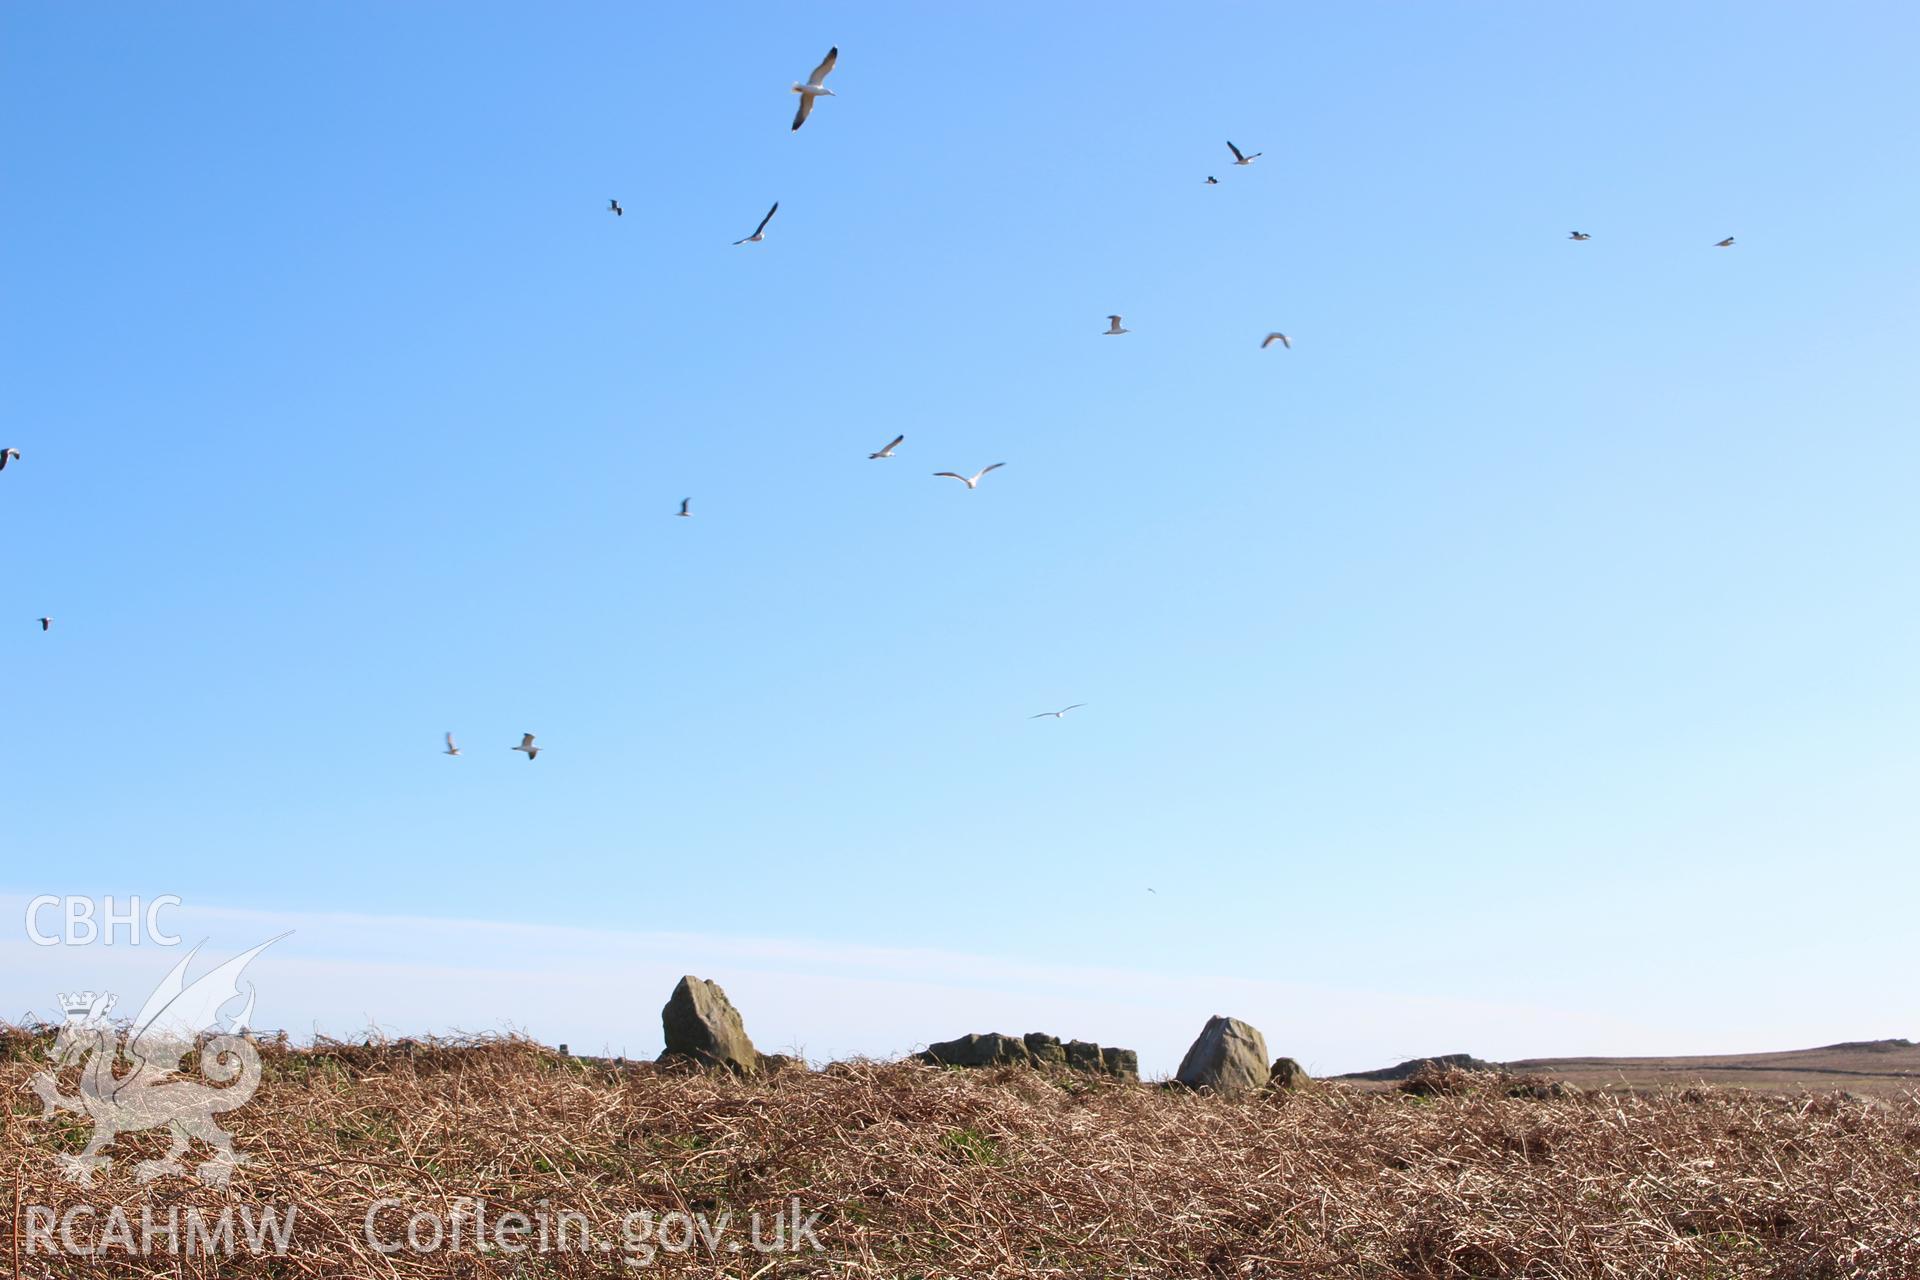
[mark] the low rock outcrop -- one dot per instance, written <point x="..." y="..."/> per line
<point x="1229" y="1057"/>
<point x="1035" y="1049"/>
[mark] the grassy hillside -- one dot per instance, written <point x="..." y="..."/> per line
<point x="919" y="1171"/>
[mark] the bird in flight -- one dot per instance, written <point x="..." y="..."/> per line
<point x="451" y="749"/>
<point x="1280" y="338"/>
<point x="8" y="455"/>
<point x="1113" y="328"/>
<point x="1240" y="159"/>
<point x="1724" y="244"/>
<point x="1578" y="235"/>
<point x="526" y="745"/>
<point x="814" y="87"/>
<point x="1057" y="715"/>
<point x="684" y="507"/>
<point x="1212" y="181"/>
<point x="887" y="450"/>
<point x="46" y="624"/>
<point x="760" y="232"/>
<point x="613" y="207"/>
<point x="972" y="482"/>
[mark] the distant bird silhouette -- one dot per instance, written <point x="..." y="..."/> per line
<point x="46" y="624"/>
<point x="815" y="87"/>
<point x="1724" y="244"/>
<point x="1280" y="338"/>
<point x="1113" y="329"/>
<point x="526" y="745"/>
<point x="451" y="749"/>
<point x="1061" y="714"/>
<point x="613" y="207"/>
<point x="760" y="232"/>
<point x="1240" y="159"/>
<point x="1578" y="235"/>
<point x="887" y="450"/>
<point x="685" y="509"/>
<point x="8" y="455"/>
<point x="972" y="482"/>
<point x="1212" y="181"/>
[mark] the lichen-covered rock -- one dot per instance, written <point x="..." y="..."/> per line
<point x="702" y="1026"/>
<point x="1047" y="1050"/>
<point x="1229" y="1057"/>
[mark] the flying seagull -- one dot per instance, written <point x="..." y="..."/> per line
<point x="1240" y="159"/>
<point x="451" y="749"/>
<point x="760" y="232"/>
<point x="8" y="455"/>
<point x="1725" y="244"/>
<point x="526" y="745"/>
<point x="887" y="451"/>
<point x="1113" y="327"/>
<point x="1578" y="235"/>
<point x="972" y="482"/>
<point x="1280" y="338"/>
<point x="613" y="207"/>
<point x="1212" y="181"/>
<point x="46" y="624"/>
<point x="1057" y="715"/>
<point x="814" y="87"/>
<point x="683" y="507"/>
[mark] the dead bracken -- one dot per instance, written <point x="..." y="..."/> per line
<point x="1017" y="1172"/>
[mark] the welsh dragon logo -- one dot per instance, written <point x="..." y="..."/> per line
<point x="153" y="1092"/>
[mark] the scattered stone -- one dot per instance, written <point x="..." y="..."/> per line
<point x="990" y="1050"/>
<point x="1288" y="1074"/>
<point x="703" y="1027"/>
<point x="1230" y="1057"/>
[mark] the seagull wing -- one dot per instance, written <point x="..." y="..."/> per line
<point x="683" y="505"/>
<point x="450" y="745"/>
<point x="819" y="75"/>
<point x="526" y="742"/>
<point x="995" y="467"/>
<point x="893" y="444"/>
<point x="1075" y="707"/>
<point x="806" y="109"/>
<point x="952" y="475"/>
<point x="1236" y="151"/>
<point x="769" y="218"/>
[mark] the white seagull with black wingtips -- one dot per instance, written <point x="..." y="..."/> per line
<point x="886" y="451"/>
<point x="973" y="481"/>
<point x="526" y="745"/>
<point x="8" y="455"/>
<point x="1240" y="159"/>
<point x="451" y="749"/>
<point x="815" y="87"/>
<point x="1113" y="329"/>
<point x="1061" y="714"/>
<point x="1280" y="338"/>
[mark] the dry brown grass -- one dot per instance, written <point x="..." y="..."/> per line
<point x="922" y="1172"/>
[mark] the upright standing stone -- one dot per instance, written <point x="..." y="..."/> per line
<point x="702" y="1025"/>
<point x="1230" y="1057"/>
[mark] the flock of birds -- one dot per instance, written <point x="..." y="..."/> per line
<point x="813" y="89"/>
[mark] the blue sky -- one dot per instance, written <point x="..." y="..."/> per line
<point x="1538" y="632"/>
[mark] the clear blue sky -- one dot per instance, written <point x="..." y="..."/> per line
<point x="1541" y="628"/>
